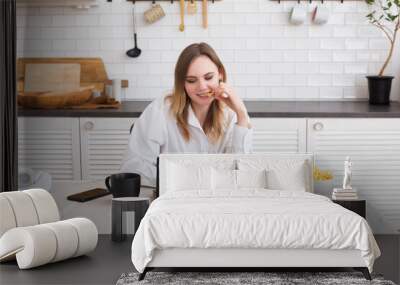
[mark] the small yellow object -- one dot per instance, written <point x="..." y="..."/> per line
<point x="322" y="175"/>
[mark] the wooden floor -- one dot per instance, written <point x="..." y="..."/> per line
<point x="110" y="259"/>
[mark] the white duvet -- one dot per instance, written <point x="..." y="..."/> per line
<point x="252" y="218"/>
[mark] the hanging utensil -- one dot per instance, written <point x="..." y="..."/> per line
<point x="204" y="13"/>
<point x="154" y="14"/>
<point x="191" y="7"/>
<point x="182" y="8"/>
<point x="135" y="52"/>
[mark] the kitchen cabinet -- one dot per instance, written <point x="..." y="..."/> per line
<point x="374" y="148"/>
<point x="93" y="148"/>
<point x="104" y="141"/>
<point x="103" y="144"/>
<point x="279" y="134"/>
<point x="51" y="145"/>
<point x="82" y="149"/>
<point x="73" y="148"/>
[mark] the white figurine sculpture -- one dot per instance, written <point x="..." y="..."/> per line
<point x="347" y="174"/>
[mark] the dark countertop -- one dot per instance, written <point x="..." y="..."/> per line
<point x="291" y="109"/>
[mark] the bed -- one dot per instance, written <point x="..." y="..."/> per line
<point x="244" y="211"/>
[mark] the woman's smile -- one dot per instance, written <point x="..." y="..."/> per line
<point x="205" y="94"/>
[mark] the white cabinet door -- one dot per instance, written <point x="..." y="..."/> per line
<point x="279" y="134"/>
<point x="103" y="145"/>
<point x="50" y="144"/>
<point x="374" y="147"/>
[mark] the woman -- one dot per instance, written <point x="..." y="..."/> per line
<point x="202" y="115"/>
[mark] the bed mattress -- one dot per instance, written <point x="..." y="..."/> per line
<point x="250" y="219"/>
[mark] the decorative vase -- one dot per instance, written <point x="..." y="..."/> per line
<point x="379" y="89"/>
<point x="324" y="187"/>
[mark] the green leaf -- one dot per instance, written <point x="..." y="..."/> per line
<point x="392" y="17"/>
<point x="370" y="15"/>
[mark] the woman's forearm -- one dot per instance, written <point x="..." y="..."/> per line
<point x="243" y="119"/>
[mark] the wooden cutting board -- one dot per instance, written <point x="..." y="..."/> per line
<point x="41" y="77"/>
<point x="55" y="99"/>
<point x="92" y="70"/>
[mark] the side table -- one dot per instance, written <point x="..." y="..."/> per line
<point x="119" y="205"/>
<point x="357" y="206"/>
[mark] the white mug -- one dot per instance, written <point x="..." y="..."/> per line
<point x="320" y="15"/>
<point x="298" y="15"/>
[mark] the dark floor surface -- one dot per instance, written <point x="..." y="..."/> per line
<point x="102" y="266"/>
<point x="110" y="259"/>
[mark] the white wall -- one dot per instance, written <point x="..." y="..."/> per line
<point x="265" y="56"/>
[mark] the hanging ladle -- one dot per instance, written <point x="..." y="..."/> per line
<point x="134" y="52"/>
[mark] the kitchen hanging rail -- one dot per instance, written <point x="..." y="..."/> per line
<point x="322" y="1"/>
<point x="172" y="1"/>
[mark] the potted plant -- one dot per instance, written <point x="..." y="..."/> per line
<point x="323" y="180"/>
<point x="386" y="18"/>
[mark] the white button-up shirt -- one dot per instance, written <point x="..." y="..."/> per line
<point x="156" y="131"/>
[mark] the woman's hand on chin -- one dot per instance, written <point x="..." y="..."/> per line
<point x="226" y="94"/>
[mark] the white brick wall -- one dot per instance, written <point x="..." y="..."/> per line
<point x="265" y="56"/>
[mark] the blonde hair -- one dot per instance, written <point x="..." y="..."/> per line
<point x="180" y="101"/>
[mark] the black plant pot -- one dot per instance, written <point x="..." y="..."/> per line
<point x="379" y="89"/>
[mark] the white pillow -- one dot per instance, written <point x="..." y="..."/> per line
<point x="251" y="178"/>
<point x="224" y="179"/>
<point x="288" y="177"/>
<point x="227" y="179"/>
<point x="183" y="177"/>
<point x="282" y="174"/>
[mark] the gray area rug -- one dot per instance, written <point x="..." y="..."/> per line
<point x="243" y="278"/>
